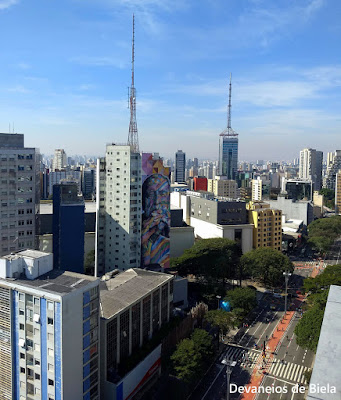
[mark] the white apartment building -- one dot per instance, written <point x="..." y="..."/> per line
<point x="19" y="193"/>
<point x="59" y="160"/>
<point x="221" y="186"/>
<point x="118" y="210"/>
<point x="332" y="169"/>
<point x="256" y="187"/>
<point x="49" y="322"/>
<point x="311" y="166"/>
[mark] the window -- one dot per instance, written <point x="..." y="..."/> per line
<point x="50" y="367"/>
<point x="50" y="321"/>
<point x="22" y="356"/>
<point x="51" y="383"/>
<point x="22" y="370"/>
<point x="21" y="327"/>
<point x="36" y="376"/>
<point x="50" y="352"/>
<point x="50" y="305"/>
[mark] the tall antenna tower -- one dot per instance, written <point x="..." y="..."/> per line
<point x="229" y="131"/>
<point x="133" y="137"/>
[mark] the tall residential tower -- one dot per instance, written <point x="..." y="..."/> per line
<point x="19" y="194"/>
<point x="311" y="167"/>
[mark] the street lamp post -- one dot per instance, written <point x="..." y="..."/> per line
<point x="229" y="366"/>
<point x="286" y="276"/>
<point x="218" y="298"/>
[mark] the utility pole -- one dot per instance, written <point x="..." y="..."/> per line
<point x="218" y="298"/>
<point x="286" y="277"/>
<point x="229" y="367"/>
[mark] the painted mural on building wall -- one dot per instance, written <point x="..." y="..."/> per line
<point x="156" y="212"/>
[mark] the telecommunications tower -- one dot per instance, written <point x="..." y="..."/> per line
<point x="133" y="137"/>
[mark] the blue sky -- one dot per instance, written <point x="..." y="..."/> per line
<point x="65" y="69"/>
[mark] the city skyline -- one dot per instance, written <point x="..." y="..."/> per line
<point x="65" y="74"/>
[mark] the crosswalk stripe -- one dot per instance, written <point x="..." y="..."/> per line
<point x="294" y="371"/>
<point x="302" y="376"/>
<point x="277" y="368"/>
<point x="298" y="373"/>
<point x="291" y="371"/>
<point x="281" y="370"/>
<point x="272" y="367"/>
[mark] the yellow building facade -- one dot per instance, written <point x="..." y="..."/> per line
<point x="267" y="223"/>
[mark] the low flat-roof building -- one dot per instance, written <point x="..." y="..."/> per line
<point x="134" y="305"/>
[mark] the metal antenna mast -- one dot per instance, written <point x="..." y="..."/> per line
<point x="229" y="107"/>
<point x="133" y="138"/>
<point x="229" y="132"/>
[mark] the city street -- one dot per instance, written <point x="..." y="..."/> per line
<point x="286" y="367"/>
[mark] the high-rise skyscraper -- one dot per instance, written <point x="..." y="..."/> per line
<point x="228" y="146"/>
<point x="311" y="167"/>
<point x="19" y="193"/>
<point x="59" y="160"/>
<point x="118" y="215"/>
<point x="68" y="228"/>
<point x="180" y="166"/>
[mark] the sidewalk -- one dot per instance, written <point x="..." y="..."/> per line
<point x="258" y="373"/>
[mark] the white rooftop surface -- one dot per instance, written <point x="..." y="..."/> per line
<point x="26" y="253"/>
<point x="46" y="208"/>
<point x="327" y="367"/>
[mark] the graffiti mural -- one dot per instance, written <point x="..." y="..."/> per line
<point x="156" y="212"/>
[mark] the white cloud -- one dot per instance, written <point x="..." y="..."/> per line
<point x="7" y="3"/>
<point x="104" y="61"/>
<point x="18" y="89"/>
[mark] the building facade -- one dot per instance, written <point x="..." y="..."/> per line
<point x="19" y="193"/>
<point x="297" y="189"/>
<point x="49" y="330"/>
<point x="267" y="225"/>
<point x="228" y="155"/>
<point x="200" y="183"/>
<point x="332" y="169"/>
<point x="119" y="207"/>
<point x="180" y="166"/>
<point x="68" y="228"/>
<point x="338" y="193"/>
<point x="221" y="186"/>
<point x="310" y="167"/>
<point x="59" y="160"/>
<point x="134" y="305"/>
<point x="256" y="189"/>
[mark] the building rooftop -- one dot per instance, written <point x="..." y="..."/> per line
<point x="25" y="253"/>
<point x="55" y="281"/>
<point x="327" y="365"/>
<point x="126" y="288"/>
<point x="47" y="208"/>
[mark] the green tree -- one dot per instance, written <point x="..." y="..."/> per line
<point x="244" y="298"/>
<point x="186" y="361"/>
<point x="221" y="319"/>
<point x="266" y="265"/>
<point x="209" y="259"/>
<point x="322" y="232"/>
<point x="329" y="197"/>
<point x="308" y="330"/>
<point x="203" y="345"/>
<point x="330" y="276"/>
<point x="89" y="263"/>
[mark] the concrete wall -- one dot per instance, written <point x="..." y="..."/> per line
<point x="45" y="242"/>
<point x="302" y="210"/>
<point x="181" y="238"/>
<point x="206" y="230"/>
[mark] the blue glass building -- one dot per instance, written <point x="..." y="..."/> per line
<point x="228" y="155"/>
